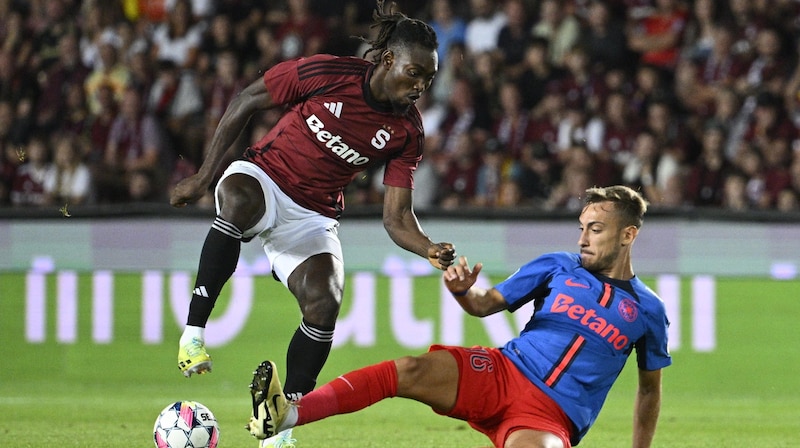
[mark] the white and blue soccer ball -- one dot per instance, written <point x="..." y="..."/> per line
<point x="186" y="424"/>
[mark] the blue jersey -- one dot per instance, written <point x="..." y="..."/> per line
<point x="583" y="328"/>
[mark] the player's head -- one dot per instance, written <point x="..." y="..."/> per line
<point x="609" y="224"/>
<point x="405" y="52"/>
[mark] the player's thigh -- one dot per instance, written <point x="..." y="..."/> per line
<point x="529" y="438"/>
<point x="242" y="197"/>
<point x="431" y="378"/>
<point x="318" y="284"/>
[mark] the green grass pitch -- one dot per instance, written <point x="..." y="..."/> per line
<point x="745" y="393"/>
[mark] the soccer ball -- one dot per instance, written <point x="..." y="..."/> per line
<point x="186" y="424"/>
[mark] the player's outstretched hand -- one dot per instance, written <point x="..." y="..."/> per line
<point x="441" y="255"/>
<point x="459" y="277"/>
<point x="188" y="190"/>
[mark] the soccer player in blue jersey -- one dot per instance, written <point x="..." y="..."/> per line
<point x="545" y="387"/>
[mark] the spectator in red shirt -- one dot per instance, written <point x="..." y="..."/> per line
<point x="657" y="37"/>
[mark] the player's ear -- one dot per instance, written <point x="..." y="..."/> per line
<point x="387" y="58"/>
<point x="629" y="234"/>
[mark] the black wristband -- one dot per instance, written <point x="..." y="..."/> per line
<point x="459" y="293"/>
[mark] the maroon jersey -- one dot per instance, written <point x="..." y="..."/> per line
<point x="332" y="130"/>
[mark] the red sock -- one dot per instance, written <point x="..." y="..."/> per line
<point x="349" y="393"/>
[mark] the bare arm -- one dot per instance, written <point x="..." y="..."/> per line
<point x="646" y="408"/>
<point x="459" y="279"/>
<point x="403" y="228"/>
<point x="253" y="98"/>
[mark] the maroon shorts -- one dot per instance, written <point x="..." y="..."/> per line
<point x="495" y="398"/>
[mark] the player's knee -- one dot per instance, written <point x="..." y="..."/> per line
<point x="320" y="305"/>
<point x="241" y="203"/>
<point x="410" y="369"/>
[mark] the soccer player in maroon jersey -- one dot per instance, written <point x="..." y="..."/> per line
<point x="343" y="115"/>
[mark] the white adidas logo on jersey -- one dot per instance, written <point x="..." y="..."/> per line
<point x="334" y="108"/>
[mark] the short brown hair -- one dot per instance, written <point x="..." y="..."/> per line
<point x="629" y="203"/>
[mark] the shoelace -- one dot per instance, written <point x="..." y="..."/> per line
<point x="194" y="348"/>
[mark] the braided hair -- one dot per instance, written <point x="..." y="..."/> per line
<point x="397" y="29"/>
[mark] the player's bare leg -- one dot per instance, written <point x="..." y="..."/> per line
<point x="431" y="378"/>
<point x="528" y="438"/>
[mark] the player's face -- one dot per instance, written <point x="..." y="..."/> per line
<point x="602" y="238"/>
<point x="410" y="73"/>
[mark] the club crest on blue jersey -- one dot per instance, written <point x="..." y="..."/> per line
<point x="628" y="310"/>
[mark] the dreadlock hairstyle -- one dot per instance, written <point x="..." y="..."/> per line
<point x="395" y="28"/>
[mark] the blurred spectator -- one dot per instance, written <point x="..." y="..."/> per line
<point x="735" y="192"/>
<point x="18" y="88"/>
<point x="55" y="23"/>
<point x="76" y="120"/>
<point x="699" y="34"/>
<point x="746" y="23"/>
<point x="268" y="53"/>
<point x="449" y="27"/>
<point x="200" y="9"/>
<point x="654" y="171"/>
<point x="777" y="158"/>
<point x="582" y="89"/>
<point x="750" y="163"/>
<point x="99" y="19"/>
<point x="705" y="183"/>
<point x="10" y="151"/>
<point x="769" y="123"/>
<point x="648" y="87"/>
<point x="100" y="126"/>
<point x="769" y="70"/>
<point x="688" y="93"/>
<point x="603" y="38"/>
<point x="54" y="84"/>
<point x="491" y="175"/>
<point x="538" y="74"/>
<point x="486" y="79"/>
<point x="142" y="186"/>
<point x="535" y="173"/>
<point x="226" y="83"/>
<point x="219" y="37"/>
<point x="301" y="32"/>
<point x="546" y="118"/>
<point x="483" y="29"/>
<point x="178" y="38"/>
<point x="576" y="176"/>
<point x="109" y="71"/>
<point x="657" y="37"/>
<point x="611" y="133"/>
<point x="16" y="38"/>
<point x="559" y="26"/>
<point x="663" y="123"/>
<point x="68" y="180"/>
<point x="510" y="127"/>
<point x="28" y="185"/>
<point x="514" y="38"/>
<point x="460" y="178"/>
<point x="788" y="201"/>
<point x="177" y="102"/>
<point x="717" y="70"/>
<point x="510" y="195"/>
<point x="135" y="143"/>
<point x="462" y="117"/>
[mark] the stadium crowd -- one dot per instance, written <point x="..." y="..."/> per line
<point x="695" y="103"/>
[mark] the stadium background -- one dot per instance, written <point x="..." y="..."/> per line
<point x="90" y="293"/>
<point x="90" y="310"/>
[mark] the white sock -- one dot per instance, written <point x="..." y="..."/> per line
<point x="290" y="421"/>
<point x="191" y="332"/>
